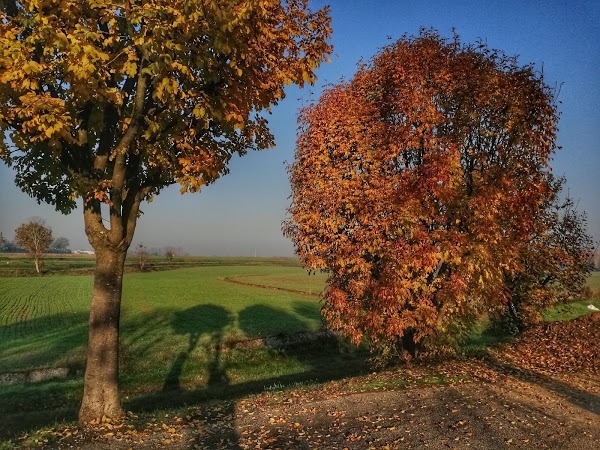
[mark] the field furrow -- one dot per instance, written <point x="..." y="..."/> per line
<point x="28" y="305"/>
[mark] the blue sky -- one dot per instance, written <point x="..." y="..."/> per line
<point x="242" y="212"/>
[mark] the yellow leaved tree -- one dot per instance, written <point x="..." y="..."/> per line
<point x="108" y="102"/>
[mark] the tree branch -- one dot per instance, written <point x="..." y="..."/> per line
<point x="92" y="218"/>
<point x="110" y="117"/>
<point x="10" y="7"/>
<point x="118" y="223"/>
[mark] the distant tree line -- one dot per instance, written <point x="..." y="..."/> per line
<point x="7" y="246"/>
<point x="142" y="253"/>
<point x="168" y="252"/>
<point x="60" y="245"/>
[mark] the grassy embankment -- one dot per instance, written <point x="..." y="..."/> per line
<point x="18" y="264"/>
<point x="577" y="308"/>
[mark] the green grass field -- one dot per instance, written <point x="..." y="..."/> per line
<point x="577" y="308"/>
<point x="178" y="330"/>
<point x="161" y="312"/>
<point x="311" y="284"/>
<point x="594" y="282"/>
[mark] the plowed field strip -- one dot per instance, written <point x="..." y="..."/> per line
<point x="239" y="280"/>
<point x="26" y="305"/>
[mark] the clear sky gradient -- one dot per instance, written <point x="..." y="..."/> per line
<point x="242" y="212"/>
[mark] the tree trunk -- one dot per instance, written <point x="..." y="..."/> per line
<point x="101" y="395"/>
<point x="512" y="310"/>
<point x="37" y="265"/>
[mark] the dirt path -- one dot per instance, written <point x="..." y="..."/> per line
<point x="486" y="406"/>
<point x="545" y="413"/>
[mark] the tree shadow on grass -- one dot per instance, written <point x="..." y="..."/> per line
<point x="208" y="321"/>
<point x="309" y="310"/>
<point x="204" y="325"/>
<point x="138" y="336"/>
<point x="257" y="318"/>
<point x="43" y="342"/>
<point x="195" y="322"/>
<point x="37" y="343"/>
<point x="321" y="359"/>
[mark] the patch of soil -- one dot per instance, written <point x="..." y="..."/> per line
<point x="236" y="280"/>
<point x="34" y="376"/>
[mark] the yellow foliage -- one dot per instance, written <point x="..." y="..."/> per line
<point x="172" y="86"/>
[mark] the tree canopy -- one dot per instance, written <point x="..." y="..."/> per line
<point x="169" y="90"/>
<point x="418" y="184"/>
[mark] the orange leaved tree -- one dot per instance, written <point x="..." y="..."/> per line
<point x="111" y="101"/>
<point x="418" y="184"/>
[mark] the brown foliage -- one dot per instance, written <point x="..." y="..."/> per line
<point x="564" y="346"/>
<point x="417" y="184"/>
<point x="36" y="238"/>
